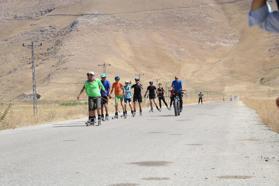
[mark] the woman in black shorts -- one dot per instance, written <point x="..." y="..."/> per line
<point x="151" y="89"/>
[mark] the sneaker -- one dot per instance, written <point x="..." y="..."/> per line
<point x="107" y="118"/>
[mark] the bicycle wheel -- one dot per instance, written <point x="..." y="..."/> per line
<point x="175" y="107"/>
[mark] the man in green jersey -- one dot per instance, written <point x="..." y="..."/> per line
<point x="93" y="87"/>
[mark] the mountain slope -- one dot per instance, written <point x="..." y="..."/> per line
<point x="206" y="43"/>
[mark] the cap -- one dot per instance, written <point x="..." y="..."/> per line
<point x="91" y="73"/>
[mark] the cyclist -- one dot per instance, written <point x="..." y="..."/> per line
<point x="93" y="87"/>
<point x="127" y="97"/>
<point x="137" y="97"/>
<point x="151" y="89"/>
<point x="105" y="97"/>
<point x="161" y="96"/>
<point x="117" y="88"/>
<point x="177" y="87"/>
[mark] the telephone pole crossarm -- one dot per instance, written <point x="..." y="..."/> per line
<point x="104" y="66"/>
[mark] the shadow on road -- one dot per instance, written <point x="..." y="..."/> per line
<point x="70" y="126"/>
<point x="164" y="115"/>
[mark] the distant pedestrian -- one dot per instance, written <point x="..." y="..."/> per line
<point x="200" y="98"/>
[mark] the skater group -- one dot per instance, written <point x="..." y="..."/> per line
<point x="99" y="92"/>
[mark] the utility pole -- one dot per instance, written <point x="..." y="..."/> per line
<point x="139" y="75"/>
<point x="32" y="46"/>
<point x="104" y="66"/>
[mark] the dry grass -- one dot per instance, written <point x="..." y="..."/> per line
<point x="21" y="114"/>
<point x="267" y="111"/>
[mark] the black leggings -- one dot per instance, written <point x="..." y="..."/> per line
<point x="160" y="101"/>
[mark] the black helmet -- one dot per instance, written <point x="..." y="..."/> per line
<point x="117" y="78"/>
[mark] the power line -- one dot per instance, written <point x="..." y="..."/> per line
<point x="144" y="11"/>
<point x="139" y="75"/>
<point x="32" y="46"/>
<point x="127" y="12"/>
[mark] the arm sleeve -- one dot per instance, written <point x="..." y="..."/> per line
<point x="102" y="86"/>
<point x="268" y="21"/>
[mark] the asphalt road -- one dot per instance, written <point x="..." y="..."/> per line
<point x="213" y="144"/>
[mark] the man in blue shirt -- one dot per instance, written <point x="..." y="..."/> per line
<point x="262" y="15"/>
<point x="177" y="87"/>
<point x="105" y="96"/>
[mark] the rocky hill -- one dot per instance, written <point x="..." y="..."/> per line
<point x="205" y="42"/>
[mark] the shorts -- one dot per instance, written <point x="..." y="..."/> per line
<point x="127" y="100"/>
<point x="137" y="98"/>
<point x="104" y="100"/>
<point x="94" y="103"/>
<point x="152" y="96"/>
<point x="118" y="99"/>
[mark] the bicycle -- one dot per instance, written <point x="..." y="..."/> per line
<point x="177" y="103"/>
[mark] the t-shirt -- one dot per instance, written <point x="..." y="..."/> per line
<point x="127" y="92"/>
<point x="152" y="90"/>
<point x="93" y="89"/>
<point x="118" y="88"/>
<point x="107" y="86"/>
<point x="137" y="89"/>
<point x="177" y="85"/>
<point x="160" y="92"/>
<point x="200" y="95"/>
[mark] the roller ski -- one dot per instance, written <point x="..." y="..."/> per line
<point x="115" y="116"/>
<point x="90" y="122"/>
<point x="107" y="118"/>
<point x="99" y="122"/>
<point x="133" y="114"/>
<point x="103" y="118"/>
<point x="125" y="115"/>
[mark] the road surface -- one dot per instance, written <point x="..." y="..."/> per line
<point x="213" y="144"/>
